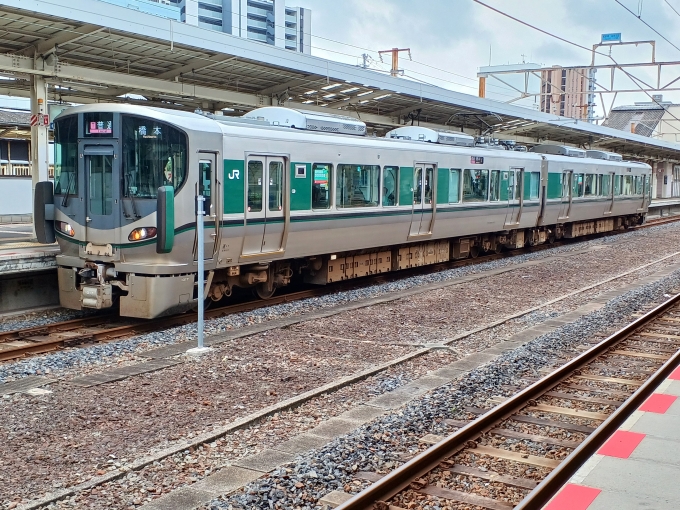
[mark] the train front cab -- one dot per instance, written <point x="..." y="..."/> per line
<point x="112" y="170"/>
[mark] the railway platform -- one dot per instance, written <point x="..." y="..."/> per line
<point x="28" y="276"/>
<point x="638" y="466"/>
<point x="664" y="207"/>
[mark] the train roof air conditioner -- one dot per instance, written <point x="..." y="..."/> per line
<point x="423" y="134"/>
<point x="609" y="156"/>
<point x="309" y="121"/>
<point x="561" y="150"/>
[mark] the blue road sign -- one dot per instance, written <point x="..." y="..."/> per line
<point x="611" y="37"/>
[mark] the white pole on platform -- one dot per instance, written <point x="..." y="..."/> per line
<point x="201" y="263"/>
<point x="201" y="275"/>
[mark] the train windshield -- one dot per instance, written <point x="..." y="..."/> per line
<point x="154" y="155"/>
<point x="66" y="155"/>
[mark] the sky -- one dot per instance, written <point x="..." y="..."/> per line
<point x="451" y="39"/>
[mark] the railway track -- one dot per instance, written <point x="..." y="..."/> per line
<point x="546" y="430"/>
<point x="110" y="327"/>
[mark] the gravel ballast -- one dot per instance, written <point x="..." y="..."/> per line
<point x="71" y="435"/>
<point x="382" y="444"/>
<point x="640" y="246"/>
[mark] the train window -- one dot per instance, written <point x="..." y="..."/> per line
<point x="255" y="174"/>
<point x="606" y="187"/>
<point x="417" y="185"/>
<point x="628" y="185"/>
<point x="357" y="186"/>
<point x="100" y="179"/>
<point x="639" y="183"/>
<point x="647" y="189"/>
<point x="475" y="185"/>
<point x="154" y="155"/>
<point x="429" y="184"/>
<point x="275" y="190"/>
<point x="591" y="185"/>
<point x="321" y="185"/>
<point x="495" y="186"/>
<point x="578" y="185"/>
<point x="454" y="186"/>
<point x="66" y="155"/>
<point x="390" y="185"/>
<point x="204" y="184"/>
<point x="617" y="185"/>
<point x="534" y="185"/>
<point x="565" y="185"/>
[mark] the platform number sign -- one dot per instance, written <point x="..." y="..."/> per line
<point x="477" y="160"/>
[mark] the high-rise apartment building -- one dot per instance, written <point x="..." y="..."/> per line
<point x="267" y="21"/>
<point x="568" y="92"/>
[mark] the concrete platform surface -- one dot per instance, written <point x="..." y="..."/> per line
<point x="25" y="259"/>
<point x="639" y="465"/>
<point x="20" y="253"/>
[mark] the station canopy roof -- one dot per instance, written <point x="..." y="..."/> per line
<point x="91" y="51"/>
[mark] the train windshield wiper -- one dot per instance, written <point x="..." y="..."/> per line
<point x="135" y="215"/>
<point x="64" y="201"/>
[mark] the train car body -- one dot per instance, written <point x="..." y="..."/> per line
<point x="297" y="195"/>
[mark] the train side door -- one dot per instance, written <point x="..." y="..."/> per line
<point x="265" y="195"/>
<point x="515" y="197"/>
<point x="211" y="219"/>
<point x="274" y="214"/>
<point x="608" y="191"/>
<point x="423" y="196"/>
<point x="645" y="192"/>
<point x="102" y="194"/>
<point x="567" y="187"/>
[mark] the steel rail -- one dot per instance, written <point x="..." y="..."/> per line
<point x="146" y="325"/>
<point x="552" y="483"/>
<point x="116" y="332"/>
<point x="401" y="477"/>
<point x="56" y="327"/>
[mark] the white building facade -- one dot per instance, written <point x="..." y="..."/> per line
<point x="267" y="21"/>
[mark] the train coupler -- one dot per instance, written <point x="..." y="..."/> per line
<point x="97" y="296"/>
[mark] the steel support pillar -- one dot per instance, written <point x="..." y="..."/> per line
<point x="39" y="134"/>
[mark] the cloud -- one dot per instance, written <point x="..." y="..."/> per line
<point x="455" y="36"/>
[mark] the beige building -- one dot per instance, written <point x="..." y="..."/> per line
<point x="564" y="91"/>
<point x="656" y="119"/>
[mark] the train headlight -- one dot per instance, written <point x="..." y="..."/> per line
<point x="139" y="234"/>
<point x="64" y="228"/>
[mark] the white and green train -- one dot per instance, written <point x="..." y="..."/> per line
<point x="298" y="195"/>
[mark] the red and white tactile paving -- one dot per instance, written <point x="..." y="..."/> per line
<point x="639" y="465"/>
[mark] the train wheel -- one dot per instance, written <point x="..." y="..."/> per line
<point x="207" y="303"/>
<point x="263" y="291"/>
<point x="474" y="252"/>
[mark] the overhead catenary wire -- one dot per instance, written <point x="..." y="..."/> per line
<point x="590" y="50"/>
<point x="671" y="6"/>
<point x="376" y="52"/>
<point x="639" y="16"/>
